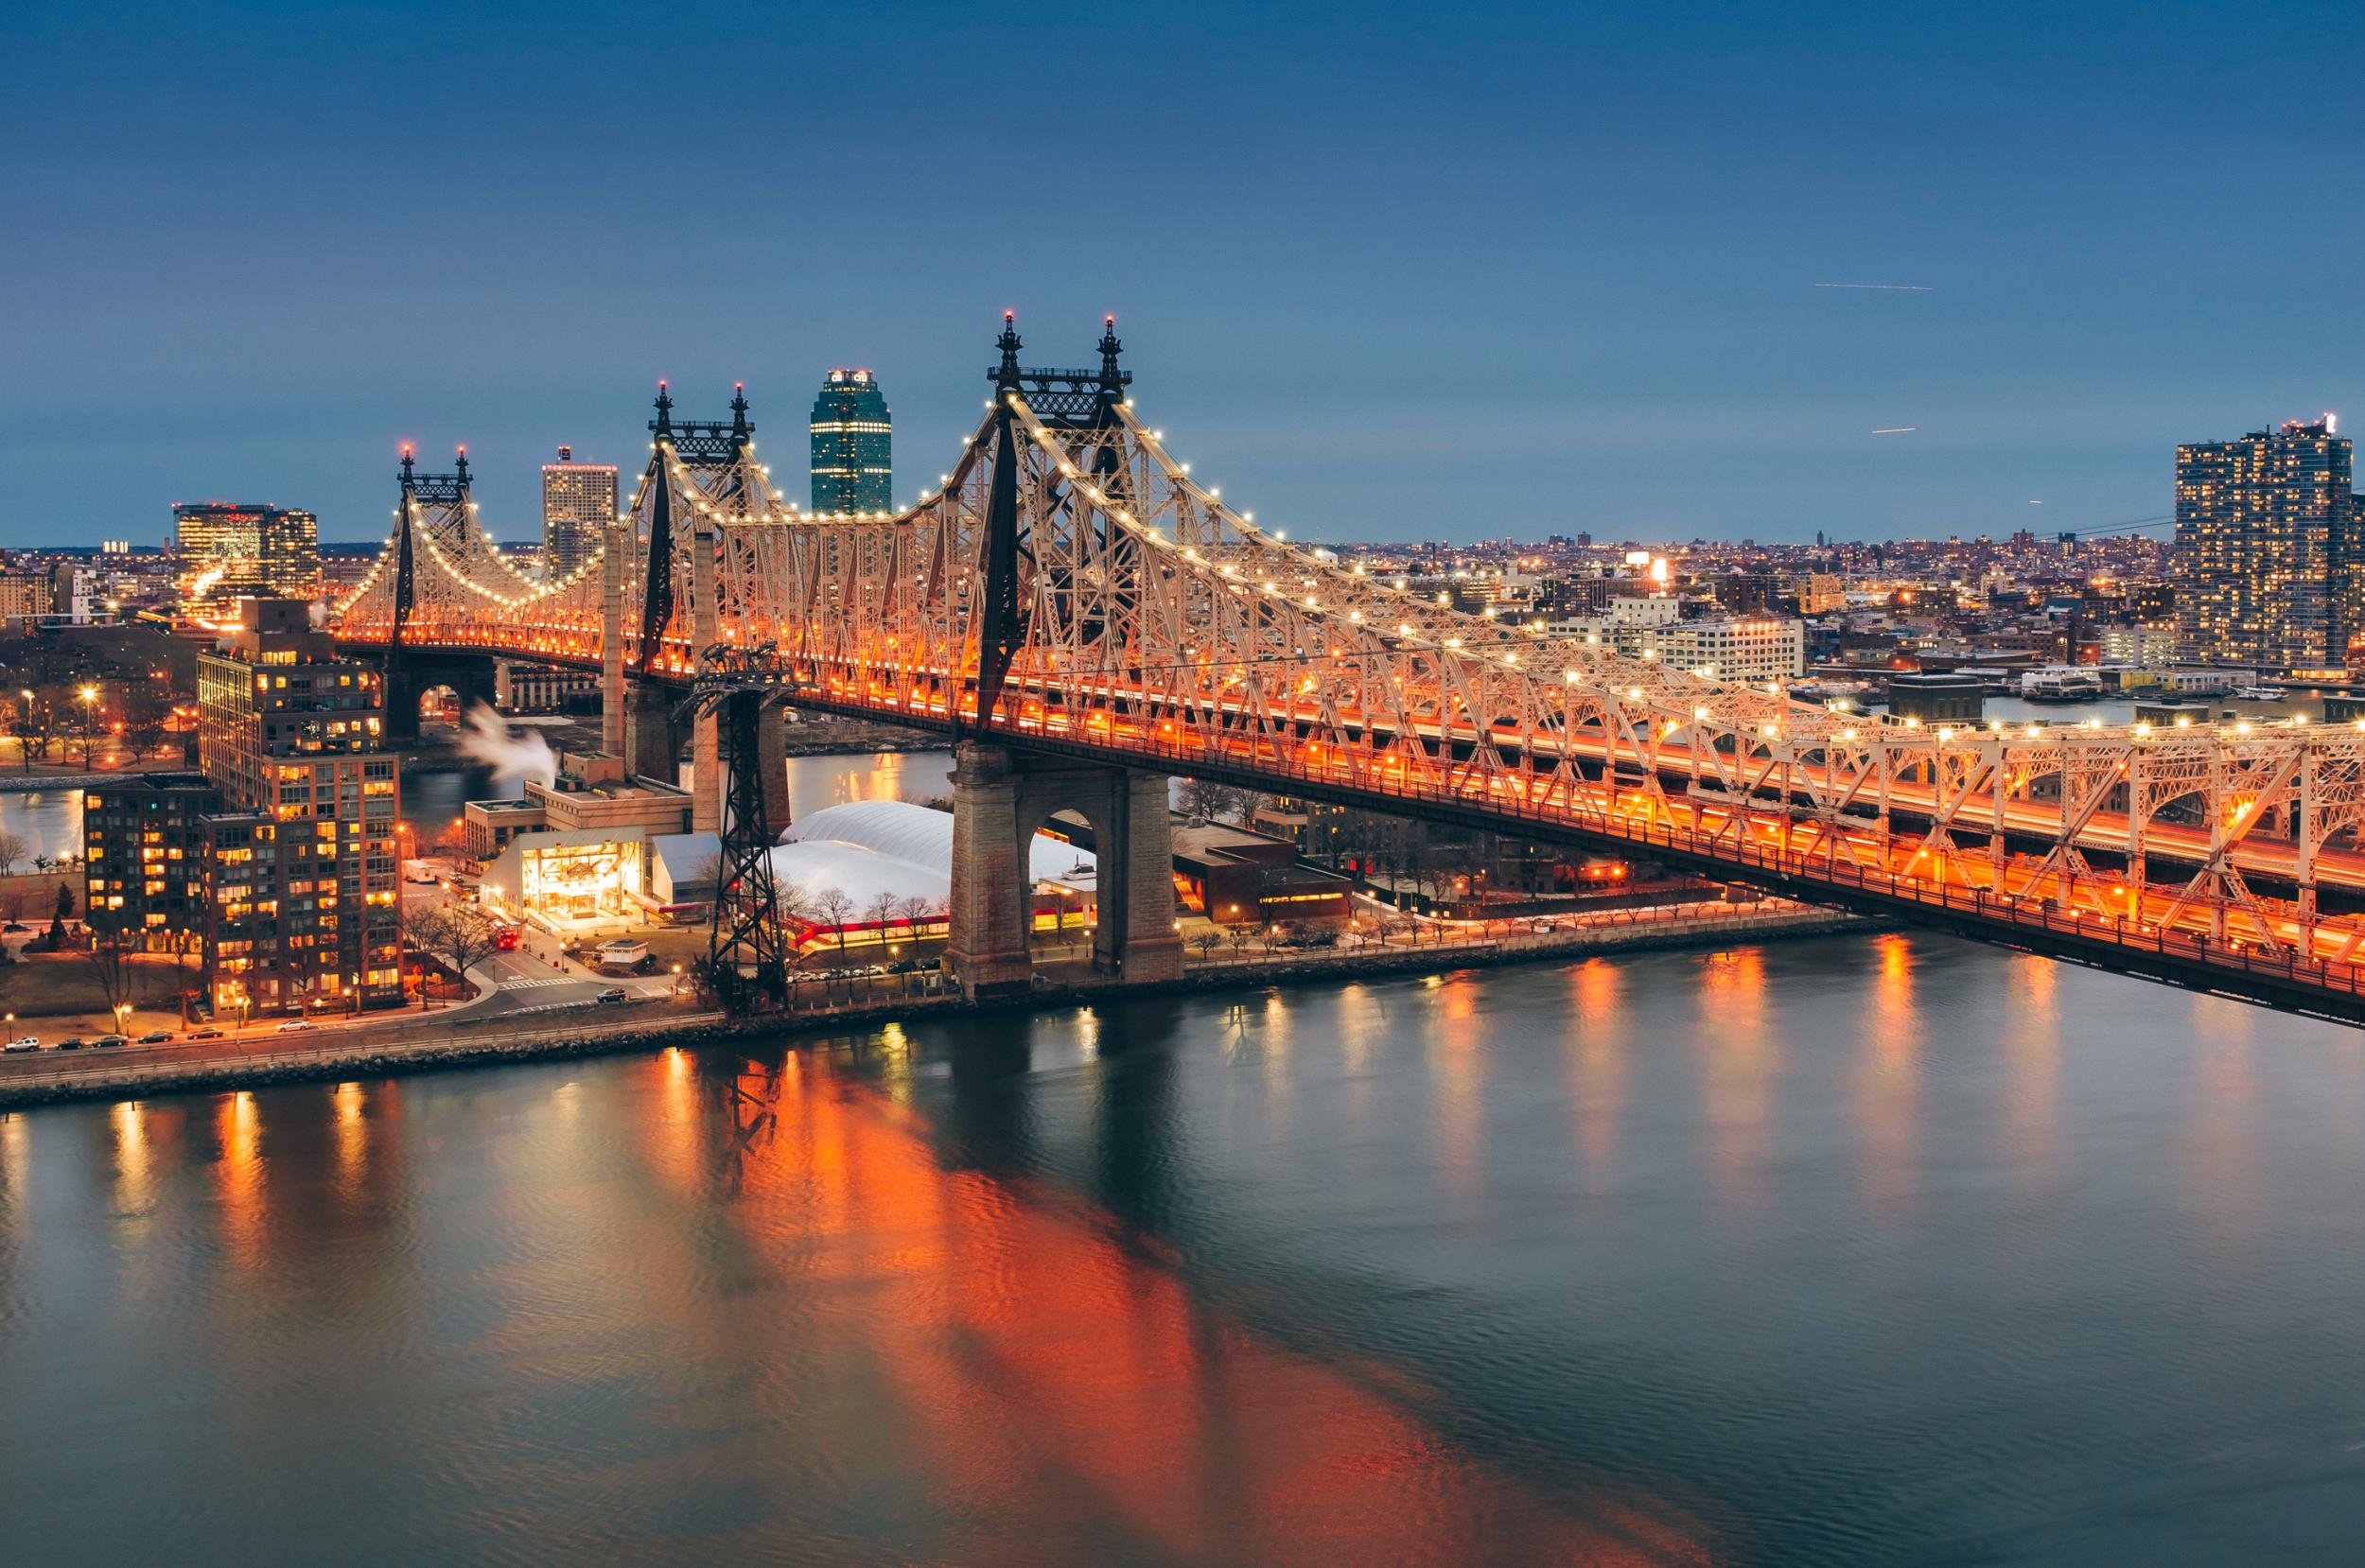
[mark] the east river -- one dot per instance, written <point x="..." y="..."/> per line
<point x="1895" y="1250"/>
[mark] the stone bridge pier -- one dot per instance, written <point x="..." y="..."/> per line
<point x="1000" y="798"/>
<point x="414" y="673"/>
<point x="652" y="738"/>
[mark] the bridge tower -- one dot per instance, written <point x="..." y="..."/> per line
<point x="433" y="512"/>
<point x="702" y="479"/>
<point x="1001" y="796"/>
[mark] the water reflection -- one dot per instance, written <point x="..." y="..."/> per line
<point x="815" y="782"/>
<point x="1533" y="1264"/>
<point x="1042" y="1371"/>
<point x="1888" y="1091"/>
<point x="132" y="1191"/>
<point x="49" y="822"/>
<point x="1738" y="1062"/>
<point x="2033" y="1073"/>
<point x="238" y="1176"/>
<point x="1598" y="1078"/>
<point x="2222" y="1131"/>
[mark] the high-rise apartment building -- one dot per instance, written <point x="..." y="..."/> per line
<point x="301" y="905"/>
<point x="853" y="466"/>
<point x="229" y="549"/>
<point x="578" y="504"/>
<point x="2265" y="560"/>
<point x="144" y="838"/>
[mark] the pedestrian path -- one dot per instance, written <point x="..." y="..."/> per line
<point x="547" y="980"/>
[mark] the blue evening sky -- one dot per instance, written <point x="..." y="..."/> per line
<point x="1382" y="272"/>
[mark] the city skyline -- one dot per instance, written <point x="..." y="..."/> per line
<point x="1601" y="235"/>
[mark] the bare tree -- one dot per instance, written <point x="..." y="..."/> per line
<point x="918" y="909"/>
<point x="187" y="949"/>
<point x="1238" y="936"/>
<point x="1205" y="797"/>
<point x="12" y="849"/>
<point x="835" y="906"/>
<point x="882" y="910"/>
<point x="464" y="935"/>
<point x="145" y="709"/>
<point x="1205" y="942"/>
<point x="110" y="965"/>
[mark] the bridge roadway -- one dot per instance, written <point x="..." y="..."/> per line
<point x="2106" y="831"/>
<point x="2139" y="932"/>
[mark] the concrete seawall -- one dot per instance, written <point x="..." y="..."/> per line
<point x="546" y="1038"/>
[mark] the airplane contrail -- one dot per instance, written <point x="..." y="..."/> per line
<point x="1892" y="287"/>
<point x="1898" y="431"/>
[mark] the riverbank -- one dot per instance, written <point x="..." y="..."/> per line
<point x="545" y="1036"/>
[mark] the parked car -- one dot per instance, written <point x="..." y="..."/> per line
<point x="207" y="1034"/>
<point x="296" y="1026"/>
<point x="27" y="1044"/>
<point x="70" y="1043"/>
<point x="103" y="1041"/>
<point x="156" y="1037"/>
<point x="613" y="996"/>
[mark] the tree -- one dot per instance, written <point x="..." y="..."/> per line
<point x="110" y="965"/>
<point x="1238" y="936"/>
<point x="1205" y="797"/>
<point x="882" y="910"/>
<point x="187" y="948"/>
<point x="12" y="849"/>
<point x="835" y="906"/>
<point x="464" y="935"/>
<point x="1205" y="942"/>
<point x="918" y="909"/>
<point x="145" y="709"/>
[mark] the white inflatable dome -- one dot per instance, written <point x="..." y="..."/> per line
<point x="867" y="848"/>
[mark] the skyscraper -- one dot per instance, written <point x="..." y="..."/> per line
<point x="229" y="549"/>
<point x="2265" y="565"/>
<point x="853" y="466"/>
<point x="578" y="503"/>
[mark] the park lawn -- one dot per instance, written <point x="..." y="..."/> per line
<point x="62" y="991"/>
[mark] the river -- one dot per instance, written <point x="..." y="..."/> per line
<point x="1892" y="1250"/>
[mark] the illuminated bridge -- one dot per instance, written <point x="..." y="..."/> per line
<point x="1084" y="616"/>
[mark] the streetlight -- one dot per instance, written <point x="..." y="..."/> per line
<point x="677" y="983"/>
<point x="89" y="695"/>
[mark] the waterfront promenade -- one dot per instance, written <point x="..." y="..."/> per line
<point x="471" y="1036"/>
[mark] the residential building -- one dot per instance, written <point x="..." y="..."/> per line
<point x="144" y="838"/>
<point x="302" y="904"/>
<point x="578" y="508"/>
<point x="2146" y="647"/>
<point x="24" y="594"/>
<point x="1756" y="650"/>
<point x="2262" y="561"/>
<point x="853" y="444"/>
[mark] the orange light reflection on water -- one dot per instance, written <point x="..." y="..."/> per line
<point x="1888" y="1079"/>
<point x="1041" y="1367"/>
